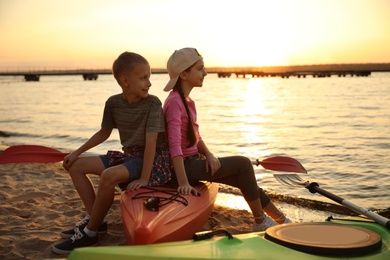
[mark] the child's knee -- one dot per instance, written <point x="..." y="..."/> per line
<point x="109" y="177"/>
<point x="75" y="168"/>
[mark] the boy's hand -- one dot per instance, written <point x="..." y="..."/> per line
<point x="69" y="160"/>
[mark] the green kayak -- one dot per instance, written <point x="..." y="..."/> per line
<point x="332" y="239"/>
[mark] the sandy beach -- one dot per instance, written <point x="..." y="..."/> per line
<point x="38" y="201"/>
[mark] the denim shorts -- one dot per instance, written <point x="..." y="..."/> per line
<point x="161" y="170"/>
<point x="133" y="165"/>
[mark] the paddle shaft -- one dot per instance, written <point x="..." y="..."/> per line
<point x="315" y="188"/>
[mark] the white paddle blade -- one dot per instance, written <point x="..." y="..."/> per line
<point x="290" y="179"/>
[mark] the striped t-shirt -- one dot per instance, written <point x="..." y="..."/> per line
<point x="134" y="120"/>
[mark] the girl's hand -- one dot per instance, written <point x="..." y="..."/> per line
<point x="136" y="184"/>
<point x="212" y="164"/>
<point x="187" y="189"/>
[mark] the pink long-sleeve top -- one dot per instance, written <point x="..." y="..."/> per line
<point x="176" y="120"/>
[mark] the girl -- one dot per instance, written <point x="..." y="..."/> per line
<point x="191" y="158"/>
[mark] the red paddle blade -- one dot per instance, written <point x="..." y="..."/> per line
<point x="28" y="148"/>
<point x="31" y="154"/>
<point x="282" y="164"/>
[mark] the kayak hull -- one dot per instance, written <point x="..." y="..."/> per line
<point x="174" y="221"/>
<point x="243" y="246"/>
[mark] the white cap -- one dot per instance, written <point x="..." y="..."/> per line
<point x="179" y="61"/>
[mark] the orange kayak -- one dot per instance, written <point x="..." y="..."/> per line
<point x="159" y="214"/>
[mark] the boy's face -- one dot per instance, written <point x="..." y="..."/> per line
<point x="136" y="82"/>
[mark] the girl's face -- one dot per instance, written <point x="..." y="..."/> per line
<point x="137" y="83"/>
<point x="195" y="76"/>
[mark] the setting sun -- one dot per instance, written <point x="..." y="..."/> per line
<point x="251" y="33"/>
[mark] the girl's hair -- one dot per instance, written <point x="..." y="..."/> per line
<point x="125" y="62"/>
<point x="190" y="129"/>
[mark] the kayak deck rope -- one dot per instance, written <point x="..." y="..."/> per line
<point x="153" y="203"/>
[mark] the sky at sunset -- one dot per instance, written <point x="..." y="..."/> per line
<point x="91" y="34"/>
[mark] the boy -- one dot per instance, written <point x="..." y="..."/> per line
<point x="144" y="161"/>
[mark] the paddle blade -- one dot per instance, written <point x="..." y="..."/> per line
<point x="31" y="154"/>
<point x="282" y="164"/>
<point x="32" y="158"/>
<point x="290" y="179"/>
<point x="16" y="149"/>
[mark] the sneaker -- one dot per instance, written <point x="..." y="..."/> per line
<point x="267" y="222"/>
<point x="81" y="225"/>
<point x="79" y="239"/>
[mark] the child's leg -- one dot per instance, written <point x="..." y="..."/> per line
<point x="262" y="222"/>
<point x="238" y="171"/>
<point x="78" y="172"/>
<point x="275" y="213"/>
<point x="257" y="210"/>
<point x="270" y="208"/>
<point x="106" y="191"/>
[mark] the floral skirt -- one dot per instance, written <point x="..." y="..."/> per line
<point x="161" y="170"/>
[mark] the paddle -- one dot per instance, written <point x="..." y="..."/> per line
<point x="281" y="163"/>
<point x="42" y="154"/>
<point x="31" y="154"/>
<point x="313" y="187"/>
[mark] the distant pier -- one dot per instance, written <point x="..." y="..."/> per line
<point x="302" y="71"/>
<point x="315" y="74"/>
<point x="35" y="74"/>
<point x="87" y="74"/>
<point x="316" y="71"/>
